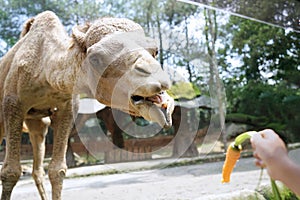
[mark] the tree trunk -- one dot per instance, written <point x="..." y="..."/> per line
<point x="187" y="56"/>
<point x="161" y="55"/>
<point x="215" y="81"/>
<point x="107" y="116"/>
<point x="184" y="145"/>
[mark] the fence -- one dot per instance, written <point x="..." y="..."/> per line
<point x="135" y="149"/>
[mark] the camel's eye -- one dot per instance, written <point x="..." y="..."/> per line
<point x="142" y="70"/>
<point x="155" y="53"/>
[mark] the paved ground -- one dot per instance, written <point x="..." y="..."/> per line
<point x="194" y="182"/>
<point x="186" y="182"/>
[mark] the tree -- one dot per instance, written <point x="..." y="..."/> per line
<point x="283" y="13"/>
<point x="15" y="12"/>
<point x="215" y="82"/>
<point x="265" y="81"/>
<point x="265" y="50"/>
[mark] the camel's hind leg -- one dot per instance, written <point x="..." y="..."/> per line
<point x="13" y="120"/>
<point x="37" y="132"/>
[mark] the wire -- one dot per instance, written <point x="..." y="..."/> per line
<point x="236" y="14"/>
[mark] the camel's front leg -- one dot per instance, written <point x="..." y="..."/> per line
<point x="13" y="121"/>
<point x="61" y="122"/>
<point x="37" y="132"/>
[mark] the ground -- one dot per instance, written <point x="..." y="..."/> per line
<point x="185" y="182"/>
<point x="191" y="182"/>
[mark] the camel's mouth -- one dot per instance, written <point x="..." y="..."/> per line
<point x="157" y="108"/>
<point x="155" y="99"/>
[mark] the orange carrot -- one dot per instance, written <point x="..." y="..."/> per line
<point x="232" y="155"/>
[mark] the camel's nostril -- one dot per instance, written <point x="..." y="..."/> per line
<point x="158" y="89"/>
<point x="165" y="85"/>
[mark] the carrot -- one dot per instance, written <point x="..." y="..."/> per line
<point x="232" y="155"/>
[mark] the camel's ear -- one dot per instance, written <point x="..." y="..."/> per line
<point x="78" y="34"/>
<point x="26" y="27"/>
<point x="99" y="58"/>
<point x="104" y="53"/>
<point x="95" y="60"/>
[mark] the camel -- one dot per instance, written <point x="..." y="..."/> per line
<point x="43" y="74"/>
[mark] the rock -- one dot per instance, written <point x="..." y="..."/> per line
<point x="233" y="129"/>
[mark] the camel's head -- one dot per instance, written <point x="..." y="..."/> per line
<point x="121" y="70"/>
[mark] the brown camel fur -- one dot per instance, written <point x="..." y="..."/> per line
<point x="43" y="73"/>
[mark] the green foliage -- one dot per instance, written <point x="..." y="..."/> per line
<point x="268" y="53"/>
<point x="176" y="12"/>
<point x="280" y="104"/>
<point x="266" y="80"/>
<point x="285" y="193"/>
<point x="184" y="90"/>
<point x="247" y="119"/>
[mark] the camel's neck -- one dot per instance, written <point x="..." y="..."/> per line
<point x="65" y="71"/>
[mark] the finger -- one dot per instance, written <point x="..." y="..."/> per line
<point x="267" y="133"/>
<point x="256" y="139"/>
<point x="255" y="155"/>
<point x="252" y="143"/>
<point x="259" y="163"/>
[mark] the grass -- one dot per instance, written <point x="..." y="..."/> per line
<point x="286" y="194"/>
<point x="107" y="172"/>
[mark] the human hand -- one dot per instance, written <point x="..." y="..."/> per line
<point x="269" y="151"/>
